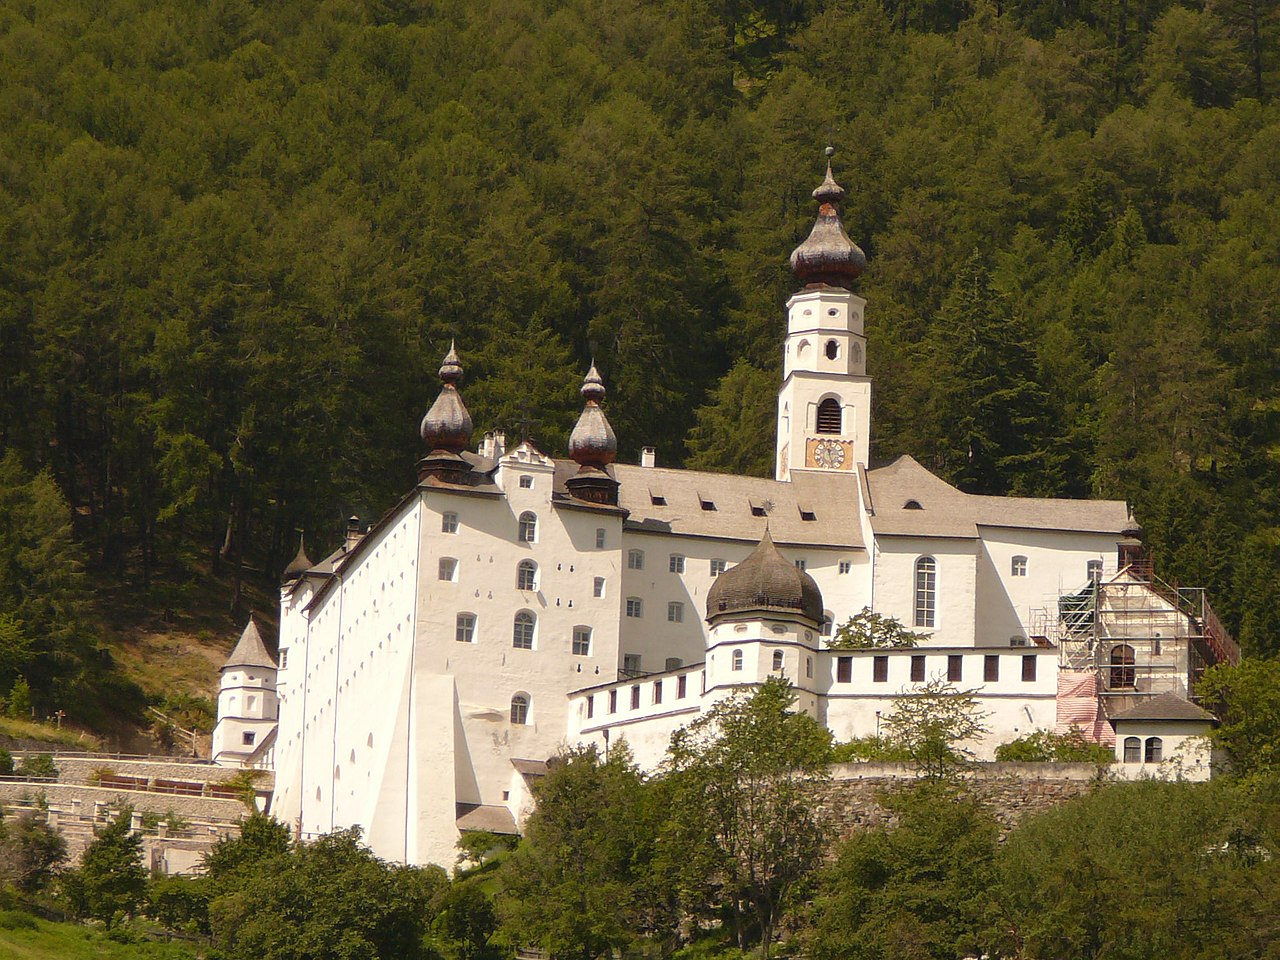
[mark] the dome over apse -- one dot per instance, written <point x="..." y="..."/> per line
<point x="828" y="257"/>
<point x="765" y="582"/>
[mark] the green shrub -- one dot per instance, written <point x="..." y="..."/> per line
<point x="870" y="749"/>
<point x="1043" y="746"/>
<point x="6" y="762"/>
<point x="38" y="766"/>
<point x="16" y="920"/>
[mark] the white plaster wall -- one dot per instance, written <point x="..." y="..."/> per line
<point x="955" y="604"/>
<point x="1186" y="750"/>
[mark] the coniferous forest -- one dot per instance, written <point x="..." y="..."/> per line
<point x="236" y="237"/>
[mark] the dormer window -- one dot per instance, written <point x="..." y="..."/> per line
<point x="705" y="503"/>
<point x="526" y="482"/>
<point x="830" y="416"/>
<point x="912" y="505"/>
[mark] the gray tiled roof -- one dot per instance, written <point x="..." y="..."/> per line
<point x="250" y="651"/>
<point x="1166" y="706"/>
<point x="947" y="512"/>
<point x="484" y="816"/>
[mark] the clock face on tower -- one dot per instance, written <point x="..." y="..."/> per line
<point x="829" y="454"/>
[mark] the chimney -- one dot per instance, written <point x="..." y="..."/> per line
<point x="648" y="457"/>
<point x="354" y="534"/>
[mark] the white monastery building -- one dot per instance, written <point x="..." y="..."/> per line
<point x="512" y="604"/>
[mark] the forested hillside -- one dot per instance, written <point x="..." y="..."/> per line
<point x="237" y="237"/>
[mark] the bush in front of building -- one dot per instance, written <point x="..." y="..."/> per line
<point x="1044" y="746"/>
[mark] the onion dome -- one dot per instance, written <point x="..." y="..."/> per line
<point x="828" y="257"/>
<point x="765" y="582"/>
<point x="592" y="442"/>
<point x="1132" y="528"/>
<point x="447" y="425"/>
<point x="300" y="564"/>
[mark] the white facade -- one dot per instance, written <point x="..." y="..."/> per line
<point x="509" y="606"/>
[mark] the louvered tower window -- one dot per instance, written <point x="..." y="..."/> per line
<point x="829" y="416"/>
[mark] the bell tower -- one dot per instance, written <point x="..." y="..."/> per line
<point x="824" y="405"/>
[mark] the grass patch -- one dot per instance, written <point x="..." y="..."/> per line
<point x="48" y="733"/>
<point x="42" y="940"/>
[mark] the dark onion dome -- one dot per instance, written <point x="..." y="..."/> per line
<point x="299" y="564"/>
<point x="1132" y="528"/>
<point x="765" y="582"/>
<point x="828" y="256"/>
<point x="593" y="442"/>
<point x="447" y="425"/>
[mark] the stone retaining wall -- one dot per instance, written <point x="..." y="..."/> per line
<point x="1012" y="790"/>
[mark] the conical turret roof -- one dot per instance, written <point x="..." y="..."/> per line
<point x="250" y="651"/>
<point x="765" y="582"/>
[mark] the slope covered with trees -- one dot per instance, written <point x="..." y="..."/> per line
<point x="236" y="238"/>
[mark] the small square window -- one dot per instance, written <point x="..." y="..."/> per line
<point x="600" y="538"/>
<point x="597" y="587"/>
<point x="657" y="500"/>
<point x="706" y="504"/>
<point x="635" y="559"/>
<point x="757" y="510"/>
<point x="449" y="522"/>
<point x="845" y="566"/>
<point x="631" y="664"/>
<point x="448" y="568"/>
<point x="800" y="564"/>
<point x="880" y="670"/>
<point x="248" y="737"/>
<point x="917" y="668"/>
<point x="1018" y="567"/>
<point x="718" y="567"/>
<point x="582" y="641"/>
<point x="465" y="629"/>
<point x="955" y="668"/>
<point x="991" y="668"/>
<point x="676" y="564"/>
<point x="675" y="612"/>
<point x="635" y="607"/>
<point x="526" y="482"/>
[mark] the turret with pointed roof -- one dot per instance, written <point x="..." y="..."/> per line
<point x="300" y="564"/>
<point x="828" y="256"/>
<point x="593" y="446"/>
<point x="250" y="651"/>
<point x="446" y="428"/>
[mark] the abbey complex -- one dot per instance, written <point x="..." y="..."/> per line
<point x="515" y="602"/>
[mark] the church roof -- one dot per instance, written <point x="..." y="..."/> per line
<point x="1166" y="706"/>
<point x="908" y="500"/>
<point x="250" y="651"/>
<point x="724" y="506"/>
<point x="765" y="581"/>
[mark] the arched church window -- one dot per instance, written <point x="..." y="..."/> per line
<point x="522" y="631"/>
<point x="833" y="349"/>
<point x="526" y="575"/>
<point x="830" y="416"/>
<point x="802" y="348"/>
<point x="1122" y="673"/>
<point x="926" y="593"/>
<point x="1155" y="750"/>
<point x="528" y="527"/>
<point x="1132" y="750"/>
<point x="520" y="709"/>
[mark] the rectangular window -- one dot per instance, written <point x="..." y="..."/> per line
<point x="582" y="641"/>
<point x="676" y="564"/>
<point x="657" y="691"/>
<point x="991" y="668"/>
<point x="600" y="538"/>
<point x="1028" y="668"/>
<point x="449" y="522"/>
<point x="718" y="567"/>
<point x="926" y="591"/>
<point x="635" y="559"/>
<point x="682" y="686"/>
<point x="917" y="668"/>
<point x="635" y="607"/>
<point x="448" y="567"/>
<point x="844" y="669"/>
<point x="591" y="706"/>
<point x="880" y="670"/>
<point x="955" y="668"/>
<point x="284" y="657"/>
<point x="800" y="564"/>
<point x="845" y="566"/>
<point x="1019" y="567"/>
<point x="631" y="664"/>
<point x="466" y="628"/>
<point x="675" y="611"/>
<point x="613" y="701"/>
<point x="673" y="663"/>
<point x="635" y="697"/>
<point x="247" y="738"/>
<point x="597" y="587"/>
<point x="526" y="482"/>
<point x="808" y="667"/>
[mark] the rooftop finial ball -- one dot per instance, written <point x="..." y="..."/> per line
<point x="830" y="151"/>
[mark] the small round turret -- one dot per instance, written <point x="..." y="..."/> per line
<point x="827" y="256"/>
